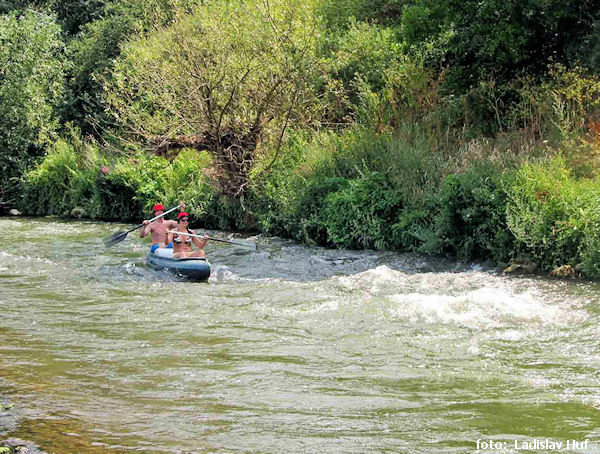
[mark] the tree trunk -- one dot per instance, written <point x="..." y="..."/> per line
<point x="233" y="153"/>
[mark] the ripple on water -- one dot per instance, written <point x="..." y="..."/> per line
<point x="19" y="258"/>
<point x="290" y="349"/>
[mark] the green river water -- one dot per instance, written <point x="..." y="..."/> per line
<point x="286" y="349"/>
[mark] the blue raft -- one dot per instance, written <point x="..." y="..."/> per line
<point x="194" y="268"/>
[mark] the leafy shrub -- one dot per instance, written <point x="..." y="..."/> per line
<point x="186" y="179"/>
<point x="134" y="184"/>
<point x="297" y="209"/>
<point x="413" y="230"/>
<point x="311" y="211"/>
<point x="360" y="213"/>
<point x="123" y="190"/>
<point x="554" y="216"/>
<point x="590" y="249"/>
<point x="470" y="215"/>
<point x="361" y="177"/>
<point x="364" y="50"/>
<point x="58" y="184"/>
<point x="32" y="68"/>
<point x="465" y="216"/>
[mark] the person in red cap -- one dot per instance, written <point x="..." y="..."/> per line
<point x="159" y="228"/>
<point x="182" y="244"/>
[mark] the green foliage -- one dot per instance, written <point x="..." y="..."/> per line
<point x="364" y="51"/>
<point x="294" y="207"/>
<point x="554" y="216"/>
<point x="465" y="216"/>
<point x="58" y="184"/>
<point x="345" y="189"/>
<point x="470" y="215"/>
<point x="93" y="52"/>
<point x="94" y="49"/>
<point x="374" y="80"/>
<point x="32" y="70"/>
<point x="590" y="248"/>
<point x="360" y="213"/>
<point x="309" y="221"/>
<point x="71" y="14"/>
<point x="240" y="66"/>
<point x="339" y="13"/>
<point x="8" y="6"/>
<point x="125" y="189"/>
<point x="133" y="185"/>
<point x="502" y="38"/>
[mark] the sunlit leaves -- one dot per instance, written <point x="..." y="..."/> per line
<point x="32" y="68"/>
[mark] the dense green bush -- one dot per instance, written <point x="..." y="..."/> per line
<point x="361" y="212"/>
<point x="71" y="14"/>
<point x="125" y="189"/>
<point x="554" y="216"/>
<point x="297" y="208"/>
<point x="502" y="38"/>
<point x="470" y="215"/>
<point x="357" y="61"/>
<point x="464" y="216"/>
<point x="345" y="189"/>
<point x="58" y="184"/>
<point x="131" y="186"/>
<point x="32" y="68"/>
<point x="590" y="248"/>
<point x="94" y="49"/>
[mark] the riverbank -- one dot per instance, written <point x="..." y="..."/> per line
<point x="10" y="420"/>
<point x="381" y="127"/>
<point x="524" y="211"/>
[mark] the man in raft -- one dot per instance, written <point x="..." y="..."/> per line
<point x="159" y="229"/>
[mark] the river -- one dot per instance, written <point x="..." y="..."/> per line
<point x="286" y="349"/>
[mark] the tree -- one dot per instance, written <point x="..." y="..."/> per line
<point x="71" y="14"/>
<point x="32" y="67"/>
<point x="501" y="39"/>
<point x="224" y="78"/>
<point x="95" y="48"/>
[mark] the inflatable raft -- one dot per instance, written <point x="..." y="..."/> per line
<point x="194" y="268"/>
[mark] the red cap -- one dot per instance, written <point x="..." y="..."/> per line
<point x="182" y="214"/>
<point x="158" y="206"/>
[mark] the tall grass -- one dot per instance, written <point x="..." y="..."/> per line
<point x="118" y="188"/>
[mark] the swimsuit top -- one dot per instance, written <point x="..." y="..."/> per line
<point x="188" y="239"/>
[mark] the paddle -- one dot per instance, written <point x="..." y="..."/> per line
<point x="120" y="236"/>
<point x="236" y="243"/>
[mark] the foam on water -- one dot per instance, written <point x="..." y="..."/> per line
<point x="17" y="257"/>
<point x="474" y="299"/>
<point x="540" y="382"/>
<point x="291" y="348"/>
<point x="509" y="335"/>
<point x="482" y="308"/>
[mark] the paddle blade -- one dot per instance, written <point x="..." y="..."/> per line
<point x="115" y="238"/>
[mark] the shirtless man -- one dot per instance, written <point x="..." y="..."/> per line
<point x="159" y="228"/>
